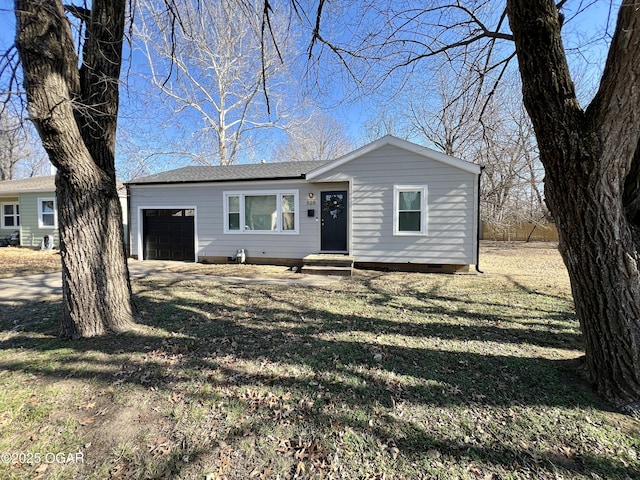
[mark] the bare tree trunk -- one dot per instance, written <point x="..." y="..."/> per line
<point x="588" y="156"/>
<point x="75" y="112"/>
<point x="96" y="289"/>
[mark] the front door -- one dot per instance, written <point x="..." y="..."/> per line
<point x="333" y="230"/>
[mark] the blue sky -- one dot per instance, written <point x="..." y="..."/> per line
<point x="148" y="124"/>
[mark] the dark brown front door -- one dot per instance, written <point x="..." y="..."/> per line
<point x="333" y="231"/>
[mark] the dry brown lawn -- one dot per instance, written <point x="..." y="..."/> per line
<point x="383" y="375"/>
<point x="18" y="262"/>
<point x="536" y="264"/>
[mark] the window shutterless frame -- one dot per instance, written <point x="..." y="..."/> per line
<point x="47" y="213"/>
<point x="410" y="214"/>
<point x="261" y="212"/>
<point x="10" y="215"/>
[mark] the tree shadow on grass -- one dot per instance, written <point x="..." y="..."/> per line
<point x="315" y="338"/>
<point x="237" y="339"/>
<point x="433" y="292"/>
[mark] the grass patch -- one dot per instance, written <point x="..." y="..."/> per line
<point x="18" y="261"/>
<point x="382" y="375"/>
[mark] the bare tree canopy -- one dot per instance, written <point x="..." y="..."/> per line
<point x="319" y="137"/>
<point x="496" y="134"/>
<point x="214" y="69"/>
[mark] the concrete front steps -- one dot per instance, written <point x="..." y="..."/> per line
<point x="328" y="264"/>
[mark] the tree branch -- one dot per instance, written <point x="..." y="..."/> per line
<point x="81" y="13"/>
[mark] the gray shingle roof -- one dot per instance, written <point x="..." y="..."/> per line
<point x="37" y="184"/>
<point x="227" y="173"/>
<point x="33" y="184"/>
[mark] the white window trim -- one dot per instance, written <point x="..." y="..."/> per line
<point x="16" y="216"/>
<point x="40" y="213"/>
<point x="423" y="209"/>
<point x="279" y="194"/>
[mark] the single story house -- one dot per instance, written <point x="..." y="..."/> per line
<point x="29" y="205"/>
<point x="391" y="203"/>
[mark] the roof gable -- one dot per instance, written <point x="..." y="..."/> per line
<point x="399" y="143"/>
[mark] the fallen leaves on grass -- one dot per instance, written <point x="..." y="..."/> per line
<point x="246" y="381"/>
<point x="159" y="448"/>
<point x="312" y="457"/>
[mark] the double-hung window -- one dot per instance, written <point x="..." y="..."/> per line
<point x="10" y="215"/>
<point x="47" y="213"/>
<point x="265" y="211"/>
<point x="410" y="210"/>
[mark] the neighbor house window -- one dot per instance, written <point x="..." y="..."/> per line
<point x="47" y="214"/>
<point x="261" y="212"/>
<point x="10" y="215"/>
<point x="410" y="210"/>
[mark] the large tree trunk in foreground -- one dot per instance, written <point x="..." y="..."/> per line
<point x="591" y="161"/>
<point x="75" y="112"/>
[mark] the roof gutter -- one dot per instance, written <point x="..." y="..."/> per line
<point x="127" y="238"/>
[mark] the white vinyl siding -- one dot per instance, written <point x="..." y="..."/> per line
<point x="213" y="215"/>
<point x="450" y="209"/>
<point x="10" y="215"/>
<point x="451" y="212"/>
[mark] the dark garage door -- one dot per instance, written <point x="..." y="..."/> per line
<point x="169" y="234"/>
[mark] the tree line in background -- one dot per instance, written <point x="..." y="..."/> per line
<point x="21" y="155"/>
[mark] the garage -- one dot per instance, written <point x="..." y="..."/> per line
<point x="169" y="234"/>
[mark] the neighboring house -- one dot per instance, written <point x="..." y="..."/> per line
<point x="390" y="203"/>
<point x="28" y="205"/>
